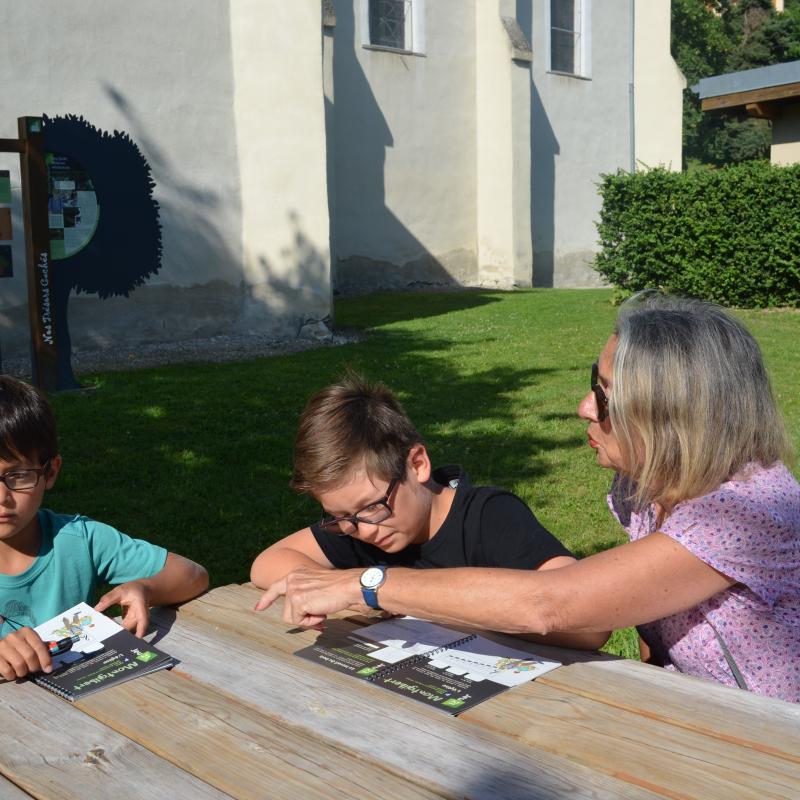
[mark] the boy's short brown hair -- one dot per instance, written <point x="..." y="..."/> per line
<point x="27" y="424"/>
<point x="350" y="423"/>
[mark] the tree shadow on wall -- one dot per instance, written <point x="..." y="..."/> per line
<point x="195" y="219"/>
<point x="373" y="248"/>
<point x="544" y="149"/>
<point x="204" y="255"/>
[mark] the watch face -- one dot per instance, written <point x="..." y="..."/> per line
<point x="372" y="577"/>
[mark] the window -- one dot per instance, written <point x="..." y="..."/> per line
<point x="393" y="25"/>
<point x="569" y="37"/>
<point x="387" y="23"/>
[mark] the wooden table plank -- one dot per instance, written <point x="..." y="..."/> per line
<point x="672" y="760"/>
<point x="586" y="706"/>
<point x="384" y="729"/>
<point x="243" y="714"/>
<point x="10" y="791"/>
<point x="39" y="758"/>
<point x="746" y="719"/>
<point x="767" y="725"/>
<point x="241" y="751"/>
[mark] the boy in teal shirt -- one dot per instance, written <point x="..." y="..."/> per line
<point x="48" y="561"/>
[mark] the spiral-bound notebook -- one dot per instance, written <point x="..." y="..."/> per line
<point x="439" y="666"/>
<point x="105" y="655"/>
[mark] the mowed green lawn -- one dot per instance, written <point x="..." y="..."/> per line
<point x="198" y="457"/>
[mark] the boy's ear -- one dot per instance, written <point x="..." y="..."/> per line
<point x="419" y="463"/>
<point x="52" y="474"/>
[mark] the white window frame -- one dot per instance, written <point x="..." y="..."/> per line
<point x="583" y="40"/>
<point x="414" y="29"/>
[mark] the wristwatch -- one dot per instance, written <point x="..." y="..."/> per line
<point x="372" y="578"/>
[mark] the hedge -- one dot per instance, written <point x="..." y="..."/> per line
<point x="730" y="235"/>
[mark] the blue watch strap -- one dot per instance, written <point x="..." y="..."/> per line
<point x="371" y="598"/>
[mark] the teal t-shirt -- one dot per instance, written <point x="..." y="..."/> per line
<point x="75" y="554"/>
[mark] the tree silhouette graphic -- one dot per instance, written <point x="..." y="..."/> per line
<point x="125" y="249"/>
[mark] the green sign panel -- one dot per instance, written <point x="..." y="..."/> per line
<point x="6" y="265"/>
<point x="5" y="187"/>
<point x="73" y="211"/>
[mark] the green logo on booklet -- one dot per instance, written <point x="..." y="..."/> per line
<point x="147" y="655"/>
<point x="453" y="702"/>
<point x="368" y="671"/>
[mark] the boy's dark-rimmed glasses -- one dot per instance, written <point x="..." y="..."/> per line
<point x="600" y="397"/>
<point x="20" y="479"/>
<point x="372" y="514"/>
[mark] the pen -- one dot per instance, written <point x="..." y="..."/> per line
<point x="62" y="645"/>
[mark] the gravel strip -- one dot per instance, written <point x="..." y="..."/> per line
<point x="214" y="350"/>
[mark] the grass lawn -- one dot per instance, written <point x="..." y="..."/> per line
<point x="198" y="457"/>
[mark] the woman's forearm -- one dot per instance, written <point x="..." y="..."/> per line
<point x="275" y="563"/>
<point x="634" y="583"/>
<point x="627" y="585"/>
<point x="498" y="599"/>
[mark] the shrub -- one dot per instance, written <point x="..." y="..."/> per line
<point x="730" y="235"/>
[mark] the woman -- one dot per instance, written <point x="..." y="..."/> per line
<point x="681" y="409"/>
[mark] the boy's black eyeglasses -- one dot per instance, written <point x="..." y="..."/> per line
<point x="600" y="397"/>
<point x="21" y="479"/>
<point x="347" y="524"/>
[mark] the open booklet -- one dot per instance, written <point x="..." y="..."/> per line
<point x="104" y="655"/>
<point x="442" y="667"/>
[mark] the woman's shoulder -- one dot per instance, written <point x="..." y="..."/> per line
<point x="748" y="529"/>
<point x="754" y="497"/>
<point x="756" y="484"/>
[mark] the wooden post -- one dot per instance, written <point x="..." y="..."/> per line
<point x="35" y="192"/>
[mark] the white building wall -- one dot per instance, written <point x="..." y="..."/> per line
<point x="279" y="114"/>
<point x="403" y="132"/>
<point x="465" y="163"/>
<point x="582" y="127"/>
<point x="785" y="148"/>
<point x="502" y="110"/>
<point x="658" y="89"/>
<point x="220" y="118"/>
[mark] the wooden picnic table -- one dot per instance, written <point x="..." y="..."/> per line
<point x="242" y="717"/>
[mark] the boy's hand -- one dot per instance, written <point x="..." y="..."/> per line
<point x="135" y="601"/>
<point x="311" y="594"/>
<point x="22" y="652"/>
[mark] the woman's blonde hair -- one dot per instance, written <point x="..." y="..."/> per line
<point x="691" y="401"/>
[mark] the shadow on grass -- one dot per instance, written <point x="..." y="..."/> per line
<point x="198" y="457"/>
<point x="559" y="417"/>
<point x="386" y="308"/>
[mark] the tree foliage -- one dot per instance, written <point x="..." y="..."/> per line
<point x="713" y="38"/>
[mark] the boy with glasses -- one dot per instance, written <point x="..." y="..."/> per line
<point x="48" y="561"/>
<point x="384" y="504"/>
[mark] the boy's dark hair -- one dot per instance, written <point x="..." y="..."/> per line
<point x="346" y="424"/>
<point x="27" y="424"/>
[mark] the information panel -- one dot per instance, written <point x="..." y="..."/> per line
<point x="73" y="211"/>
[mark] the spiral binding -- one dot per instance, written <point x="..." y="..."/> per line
<point x="53" y="687"/>
<point x="390" y="668"/>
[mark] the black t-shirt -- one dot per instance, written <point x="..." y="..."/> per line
<point x="485" y="527"/>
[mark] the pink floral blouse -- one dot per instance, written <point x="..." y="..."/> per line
<point x="749" y="530"/>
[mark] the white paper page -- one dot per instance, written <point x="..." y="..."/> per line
<point x="402" y="637"/>
<point x="80" y="620"/>
<point x="482" y="659"/>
